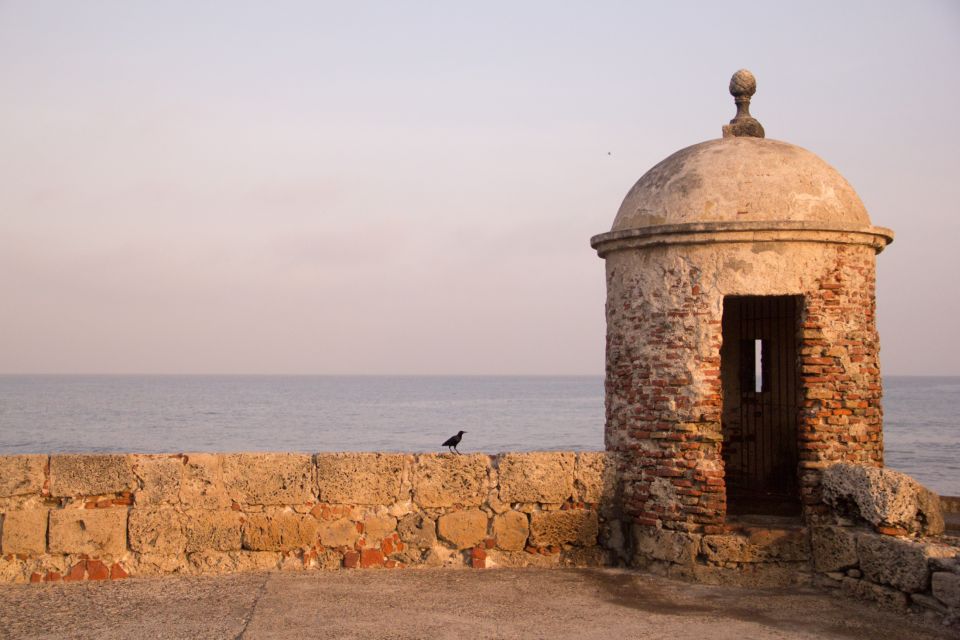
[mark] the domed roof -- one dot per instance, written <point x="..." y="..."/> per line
<point x="741" y="179"/>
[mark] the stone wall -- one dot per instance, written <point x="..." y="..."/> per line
<point x="75" y="517"/>
<point x="883" y="539"/>
<point x="839" y="355"/>
<point x="896" y="572"/>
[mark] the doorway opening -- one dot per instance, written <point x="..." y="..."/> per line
<point x="761" y="404"/>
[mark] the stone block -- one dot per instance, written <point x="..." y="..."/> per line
<point x="98" y="533"/>
<point x="834" y="548"/>
<point x="155" y="564"/>
<point x="729" y="548"/>
<point x="882" y="497"/>
<point x="24" y="532"/>
<point x="160" y="477"/>
<point x="376" y="528"/>
<point x="575" y="526"/>
<point x="498" y="558"/>
<point x="663" y="544"/>
<point x="585" y="557"/>
<point x="201" y="485"/>
<point x="781" y="545"/>
<point x="156" y="530"/>
<point x="595" y="476"/>
<point x="328" y="560"/>
<point x="361" y="478"/>
<point x="21" y="475"/>
<point x="463" y="529"/>
<point x="445" y="480"/>
<point x="536" y="477"/>
<point x="234" y="561"/>
<point x="342" y="532"/>
<point x="212" y="530"/>
<point x="269" y="478"/>
<point x="90" y="474"/>
<point x="417" y="530"/>
<point x="898" y="562"/>
<point x="884" y="596"/>
<point x="750" y="575"/>
<point x="279" y="531"/>
<point x="928" y="602"/>
<point x="946" y="588"/>
<point x="510" y="530"/>
<point x="756" y="545"/>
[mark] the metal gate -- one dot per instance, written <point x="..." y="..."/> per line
<point x="761" y="399"/>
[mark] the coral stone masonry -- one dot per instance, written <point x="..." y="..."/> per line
<point x="73" y="517"/>
<point x="742" y="350"/>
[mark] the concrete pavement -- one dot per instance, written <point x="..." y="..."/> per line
<point x="440" y="604"/>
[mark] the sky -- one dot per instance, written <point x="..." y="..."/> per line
<point x="410" y="188"/>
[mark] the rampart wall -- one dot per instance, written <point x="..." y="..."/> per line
<point x="95" y="517"/>
<point x="99" y="517"/>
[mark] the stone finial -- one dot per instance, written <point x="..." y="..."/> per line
<point x="742" y="87"/>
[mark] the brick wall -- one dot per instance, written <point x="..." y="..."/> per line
<point x="842" y="417"/>
<point x="664" y="394"/>
<point x="75" y="517"/>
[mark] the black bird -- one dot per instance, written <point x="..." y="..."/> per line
<point x="452" y="442"/>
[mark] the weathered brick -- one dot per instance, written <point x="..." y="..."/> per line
<point x="370" y="558"/>
<point x="96" y="570"/>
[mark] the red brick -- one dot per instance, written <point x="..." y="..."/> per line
<point x="891" y="531"/>
<point x="371" y="558"/>
<point x="351" y="560"/>
<point x="478" y="558"/>
<point x="96" y="570"/>
<point x="53" y="576"/>
<point x="117" y="572"/>
<point x="36" y="577"/>
<point x="76" y="572"/>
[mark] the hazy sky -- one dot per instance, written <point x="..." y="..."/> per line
<point x="410" y="187"/>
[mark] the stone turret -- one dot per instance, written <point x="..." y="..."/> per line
<point x="742" y="350"/>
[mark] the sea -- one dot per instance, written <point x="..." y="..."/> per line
<point x="167" y="414"/>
